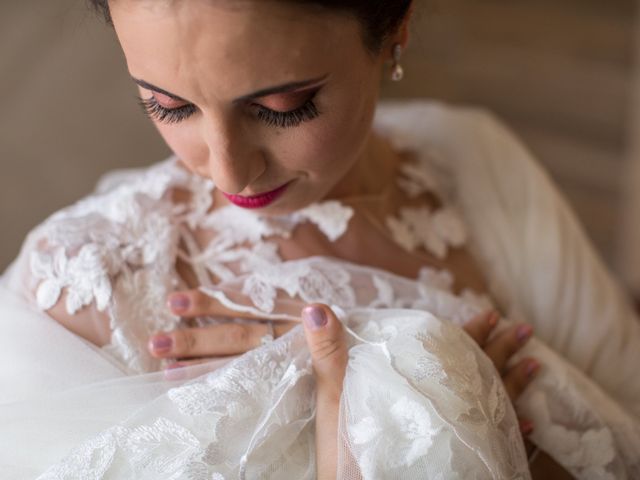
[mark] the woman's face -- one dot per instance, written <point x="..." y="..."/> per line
<point x="255" y="95"/>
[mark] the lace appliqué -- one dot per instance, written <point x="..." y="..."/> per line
<point x="332" y="218"/>
<point x="436" y="231"/>
<point x="435" y="401"/>
<point x="216" y="427"/>
<point x="119" y="245"/>
<point x="163" y="449"/>
<point x="86" y="276"/>
<point x="414" y="227"/>
<point x="91" y="461"/>
<point x="309" y="283"/>
<point x="228" y="255"/>
<point x="418" y="178"/>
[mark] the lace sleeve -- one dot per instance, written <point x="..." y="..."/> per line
<point x="104" y="266"/>
<point x="539" y="261"/>
<point x="540" y="264"/>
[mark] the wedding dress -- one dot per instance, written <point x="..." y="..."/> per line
<point x="420" y="399"/>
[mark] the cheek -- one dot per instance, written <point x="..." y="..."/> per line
<point x="335" y="143"/>
<point x="187" y="144"/>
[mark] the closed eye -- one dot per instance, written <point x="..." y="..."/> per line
<point x="155" y="111"/>
<point x="292" y="118"/>
<point x="272" y="118"/>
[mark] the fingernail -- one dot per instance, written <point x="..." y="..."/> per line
<point x="174" y="372"/>
<point x="532" y="368"/>
<point x="493" y="319"/>
<point x="526" y="427"/>
<point x="523" y="333"/>
<point x="179" y="303"/>
<point x="314" y="317"/>
<point x="161" y="343"/>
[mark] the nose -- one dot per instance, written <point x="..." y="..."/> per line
<point x="234" y="162"/>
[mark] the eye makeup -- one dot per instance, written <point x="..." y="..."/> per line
<point x="292" y="118"/>
<point x="285" y="106"/>
<point x="155" y="111"/>
<point x="272" y="118"/>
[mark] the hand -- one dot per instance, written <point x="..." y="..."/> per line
<point x="197" y="345"/>
<point x="500" y="349"/>
<point x="327" y="345"/>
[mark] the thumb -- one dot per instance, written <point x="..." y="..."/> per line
<point x="328" y="348"/>
<point x="327" y="344"/>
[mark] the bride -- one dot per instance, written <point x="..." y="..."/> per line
<point x="293" y="189"/>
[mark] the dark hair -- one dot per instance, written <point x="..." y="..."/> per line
<point x="379" y="18"/>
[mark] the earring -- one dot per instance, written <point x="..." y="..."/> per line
<point x="397" y="72"/>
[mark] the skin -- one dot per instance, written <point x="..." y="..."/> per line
<point x="210" y="56"/>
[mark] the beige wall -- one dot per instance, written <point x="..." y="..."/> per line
<point x="67" y="112"/>
<point x="559" y="71"/>
<point x="628" y="259"/>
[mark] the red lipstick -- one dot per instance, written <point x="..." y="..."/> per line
<point x="257" y="201"/>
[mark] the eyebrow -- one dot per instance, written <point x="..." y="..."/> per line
<point x="148" y="86"/>
<point x="285" y="88"/>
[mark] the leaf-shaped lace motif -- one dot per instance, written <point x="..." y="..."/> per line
<point x="435" y="232"/>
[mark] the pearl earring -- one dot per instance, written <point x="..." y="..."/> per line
<point x="397" y="72"/>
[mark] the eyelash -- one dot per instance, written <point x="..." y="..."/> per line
<point x="272" y="118"/>
<point x="155" y="111"/>
<point x="308" y="111"/>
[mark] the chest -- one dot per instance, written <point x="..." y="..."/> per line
<point x="365" y="243"/>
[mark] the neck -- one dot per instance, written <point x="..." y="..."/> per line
<point x="371" y="173"/>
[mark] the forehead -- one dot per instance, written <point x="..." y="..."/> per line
<point x="223" y="48"/>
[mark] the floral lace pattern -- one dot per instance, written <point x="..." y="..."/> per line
<point x="435" y="232"/>
<point x="245" y="420"/>
<point x="439" y="369"/>
<point x="414" y="227"/>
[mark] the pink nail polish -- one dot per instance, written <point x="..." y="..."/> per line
<point x="179" y="303"/>
<point x="523" y="333"/>
<point x="526" y="427"/>
<point x="532" y="368"/>
<point x="161" y="343"/>
<point x="314" y="317"/>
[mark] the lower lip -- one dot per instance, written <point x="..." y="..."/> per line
<point x="257" y="201"/>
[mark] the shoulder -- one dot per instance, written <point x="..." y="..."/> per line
<point x="432" y="124"/>
<point x="69" y="264"/>
<point x="125" y="204"/>
<point x="472" y="147"/>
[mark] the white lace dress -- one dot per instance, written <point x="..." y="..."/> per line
<point x="420" y="398"/>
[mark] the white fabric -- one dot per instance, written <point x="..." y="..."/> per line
<point x="534" y="251"/>
<point x="33" y="338"/>
<point x="420" y="399"/>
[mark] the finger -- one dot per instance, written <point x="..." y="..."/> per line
<point x="194" y="303"/>
<point x="526" y="426"/>
<point x="214" y="340"/>
<point x="326" y="342"/>
<point x="480" y="326"/>
<point x="327" y="345"/>
<point x="519" y="376"/>
<point x="504" y="345"/>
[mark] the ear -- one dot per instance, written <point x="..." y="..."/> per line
<point x="402" y="34"/>
<point x="402" y="37"/>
